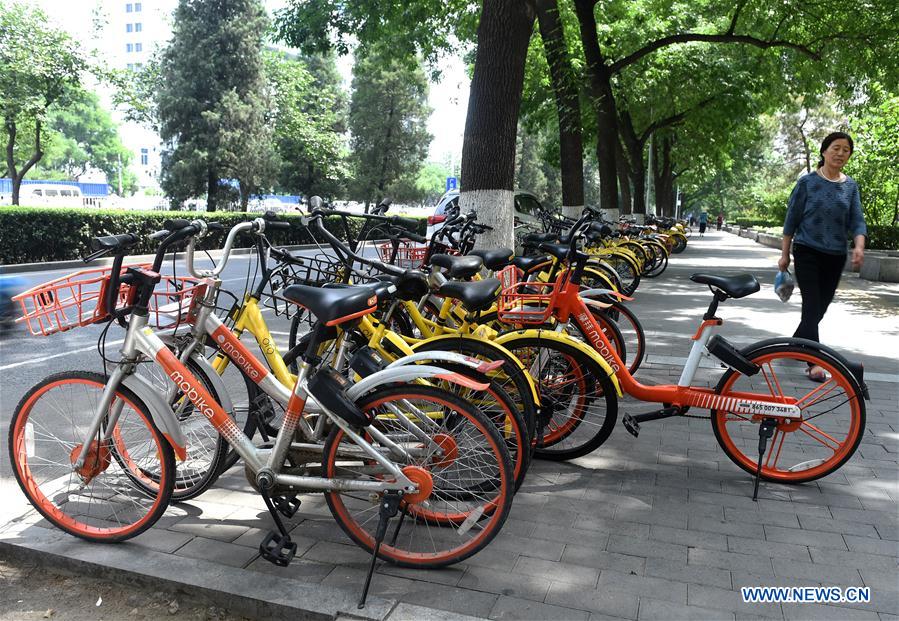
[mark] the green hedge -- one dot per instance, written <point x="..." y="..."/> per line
<point x="883" y="238"/>
<point x="32" y="235"/>
<point x="755" y="222"/>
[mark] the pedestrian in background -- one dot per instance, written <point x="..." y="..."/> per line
<point x="719" y="221"/>
<point x="703" y="222"/>
<point x="824" y="208"/>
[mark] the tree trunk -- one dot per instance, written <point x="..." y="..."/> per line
<point x="382" y="181"/>
<point x="488" y="150"/>
<point x="604" y="103"/>
<point x="212" y="185"/>
<point x="18" y="176"/>
<point x="568" y="106"/>
<point x="634" y="145"/>
<point x="624" y="182"/>
<point x="663" y="176"/>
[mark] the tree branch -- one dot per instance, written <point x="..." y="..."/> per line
<point x="733" y="21"/>
<point x="674" y="119"/>
<point x="688" y="37"/>
<point x="38" y="154"/>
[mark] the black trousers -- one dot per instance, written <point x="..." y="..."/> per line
<point x="817" y="274"/>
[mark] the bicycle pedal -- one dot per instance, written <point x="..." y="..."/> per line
<point x="631" y="424"/>
<point x="286" y="505"/>
<point x="278" y="549"/>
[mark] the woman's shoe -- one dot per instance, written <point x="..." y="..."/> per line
<point x="816" y="374"/>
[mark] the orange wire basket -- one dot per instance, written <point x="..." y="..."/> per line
<point x="525" y="301"/>
<point x="79" y="299"/>
<point x="408" y="255"/>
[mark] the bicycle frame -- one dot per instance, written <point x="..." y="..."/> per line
<point x="570" y="305"/>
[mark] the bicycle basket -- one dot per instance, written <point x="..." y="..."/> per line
<point x="172" y="300"/>
<point x="524" y="301"/>
<point x="68" y="302"/>
<point x="408" y="255"/>
<point x="79" y="299"/>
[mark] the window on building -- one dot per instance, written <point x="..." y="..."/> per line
<point x="138" y="27"/>
<point x="137" y="7"/>
<point x="128" y="7"/>
<point x="129" y="47"/>
<point x="129" y="27"/>
<point x="130" y="66"/>
<point x="138" y="47"/>
<point x="144" y="157"/>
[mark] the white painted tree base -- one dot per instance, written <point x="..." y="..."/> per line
<point x="495" y="208"/>
<point x="572" y="211"/>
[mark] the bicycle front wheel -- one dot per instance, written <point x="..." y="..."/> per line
<point x="463" y="471"/>
<point x="829" y="432"/>
<point x="100" y="500"/>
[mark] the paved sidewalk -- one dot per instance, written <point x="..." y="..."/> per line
<point x="659" y="527"/>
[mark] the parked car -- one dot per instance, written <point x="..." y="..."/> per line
<point x="527" y="209"/>
<point x="50" y="195"/>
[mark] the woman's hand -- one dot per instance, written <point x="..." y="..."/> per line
<point x="858" y="257"/>
<point x="784" y="262"/>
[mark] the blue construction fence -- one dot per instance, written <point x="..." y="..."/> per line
<point x="88" y="190"/>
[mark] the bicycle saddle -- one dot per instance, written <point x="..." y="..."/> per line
<point x="526" y="264"/>
<point x="382" y="288"/>
<point x="458" y="267"/>
<point x="495" y="258"/>
<point x="412" y="285"/>
<point x="736" y="286"/>
<point x="532" y="239"/>
<point x="333" y="306"/>
<point x="474" y="296"/>
<point x="559" y="251"/>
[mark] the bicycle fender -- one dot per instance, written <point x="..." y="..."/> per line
<point x="407" y="374"/>
<point x="162" y="414"/>
<point x="216" y="380"/>
<point x="481" y="366"/>
<point x="549" y="335"/>
<point x="506" y="353"/>
<point x="854" y="370"/>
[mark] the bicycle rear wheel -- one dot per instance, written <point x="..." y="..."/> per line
<point x="829" y="432"/>
<point x="578" y="402"/>
<point x="465" y="479"/>
<point x="100" y="501"/>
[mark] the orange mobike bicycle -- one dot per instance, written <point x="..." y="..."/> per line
<point x="760" y="398"/>
<point x="95" y="454"/>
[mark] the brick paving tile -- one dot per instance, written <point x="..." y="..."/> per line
<point x="218" y="552"/>
<point x="805" y="537"/>
<point x="659" y="588"/>
<point x="658" y="610"/>
<point x="696" y="574"/>
<point x="514" y="609"/>
<point x="770" y="549"/>
<point x="462" y="601"/>
<point x="647" y="547"/>
<point x="730" y="560"/>
<point x="604" y="560"/>
<point x="725" y="599"/>
<point x="515" y="585"/>
<point x="561" y="571"/>
<point x="615" y="604"/>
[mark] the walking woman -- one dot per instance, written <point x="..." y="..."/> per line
<point x="824" y="208"/>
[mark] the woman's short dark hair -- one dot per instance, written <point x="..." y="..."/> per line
<point x="830" y="139"/>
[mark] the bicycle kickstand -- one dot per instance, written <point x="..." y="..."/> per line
<point x="766" y="430"/>
<point x="390" y="504"/>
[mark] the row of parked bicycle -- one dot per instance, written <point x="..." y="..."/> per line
<point x="418" y="384"/>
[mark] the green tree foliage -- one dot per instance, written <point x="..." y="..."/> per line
<point x="213" y="102"/>
<point x="39" y="65"/>
<point x="875" y="129"/>
<point x="309" y="109"/>
<point x="388" y="121"/>
<point x="83" y="136"/>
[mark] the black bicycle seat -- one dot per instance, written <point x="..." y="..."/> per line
<point x="457" y="267"/>
<point x="333" y="305"/>
<point x="474" y="296"/>
<point x="494" y="258"/>
<point x="526" y="264"/>
<point x="736" y="286"/>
